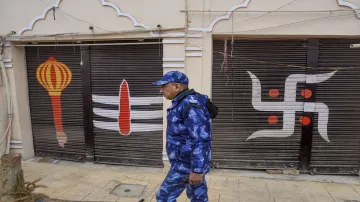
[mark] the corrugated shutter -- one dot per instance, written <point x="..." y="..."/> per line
<point x="42" y="105"/>
<point x="135" y="67"/>
<point x="238" y="120"/>
<point x="341" y="94"/>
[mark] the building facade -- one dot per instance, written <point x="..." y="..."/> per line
<point x="78" y="74"/>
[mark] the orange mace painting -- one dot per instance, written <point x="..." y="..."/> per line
<point x="55" y="76"/>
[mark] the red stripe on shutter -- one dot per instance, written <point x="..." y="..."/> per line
<point x="124" y="109"/>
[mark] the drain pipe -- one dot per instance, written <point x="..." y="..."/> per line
<point x="7" y="132"/>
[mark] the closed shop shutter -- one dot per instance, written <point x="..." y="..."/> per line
<point x="341" y="153"/>
<point x="55" y="94"/>
<point x="127" y="108"/>
<point x="258" y="135"/>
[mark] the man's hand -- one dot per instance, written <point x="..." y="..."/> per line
<point x="195" y="178"/>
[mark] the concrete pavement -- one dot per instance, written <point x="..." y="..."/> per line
<point x="94" y="182"/>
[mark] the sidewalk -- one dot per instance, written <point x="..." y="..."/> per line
<point x="94" y="182"/>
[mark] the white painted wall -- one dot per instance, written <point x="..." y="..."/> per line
<point x="3" y="117"/>
<point x="75" y="16"/>
<point x="276" y="23"/>
<point x="120" y="15"/>
<point x="21" y="130"/>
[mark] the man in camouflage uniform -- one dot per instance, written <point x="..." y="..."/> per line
<point x="188" y="140"/>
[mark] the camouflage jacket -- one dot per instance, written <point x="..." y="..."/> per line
<point x="188" y="136"/>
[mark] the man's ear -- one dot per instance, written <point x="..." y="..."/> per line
<point x="177" y="86"/>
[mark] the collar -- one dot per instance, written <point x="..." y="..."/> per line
<point x="179" y="96"/>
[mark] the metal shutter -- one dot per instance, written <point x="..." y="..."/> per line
<point x="41" y="104"/>
<point x="238" y="120"/>
<point x="134" y="67"/>
<point x="341" y="94"/>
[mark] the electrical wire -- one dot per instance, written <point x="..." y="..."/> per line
<point x="276" y="63"/>
<point x="93" y="34"/>
<point x="77" y="34"/>
<point x="275" y="11"/>
<point x="89" y="44"/>
<point x="80" y="20"/>
<point x="84" y="21"/>
<point x="283" y="25"/>
<point x="288" y="65"/>
<point x="265" y="13"/>
<point x="186" y="32"/>
<point x="202" y="43"/>
<point x="270" y="62"/>
<point x="7" y="132"/>
<point x="232" y="68"/>
<point x="266" y="62"/>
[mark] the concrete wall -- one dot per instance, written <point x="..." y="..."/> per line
<point x="76" y="16"/>
<point x="188" y="50"/>
<point x="21" y="132"/>
<point x="278" y="23"/>
<point x="120" y="15"/>
<point x="3" y="113"/>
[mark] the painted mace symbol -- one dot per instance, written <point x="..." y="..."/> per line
<point x="55" y="76"/>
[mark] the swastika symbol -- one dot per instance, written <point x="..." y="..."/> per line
<point x="289" y="106"/>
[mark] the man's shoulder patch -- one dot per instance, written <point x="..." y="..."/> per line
<point x="192" y="100"/>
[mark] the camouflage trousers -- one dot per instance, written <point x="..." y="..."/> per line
<point x="175" y="183"/>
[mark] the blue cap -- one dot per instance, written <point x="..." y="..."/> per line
<point x="173" y="76"/>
